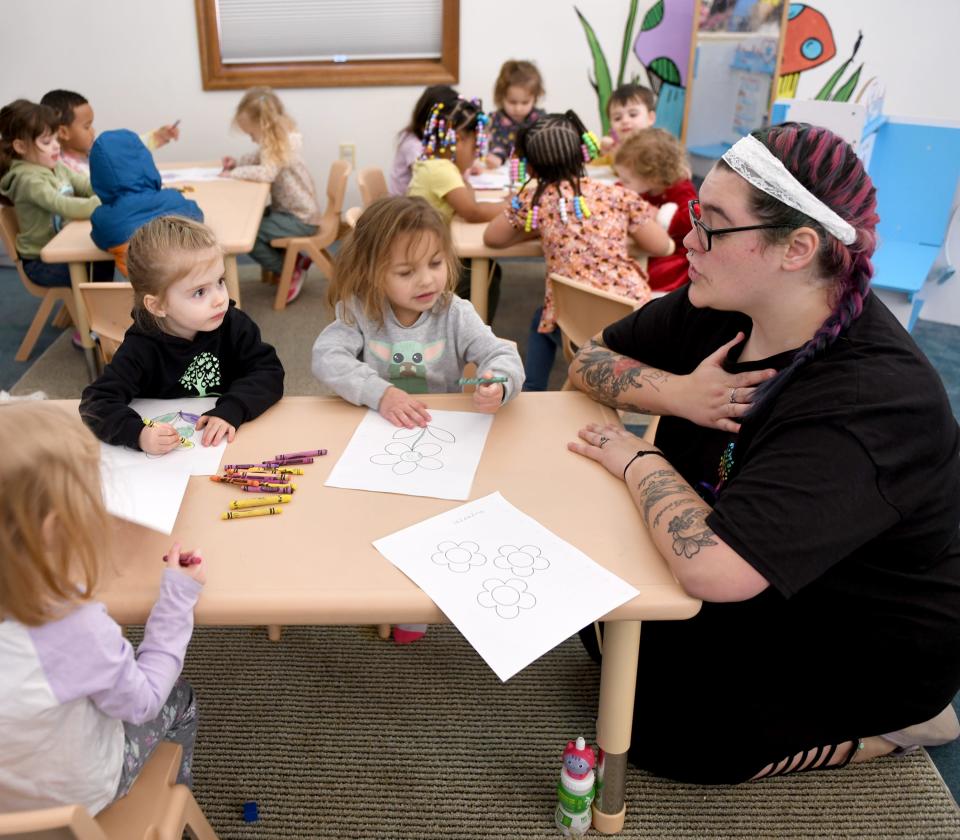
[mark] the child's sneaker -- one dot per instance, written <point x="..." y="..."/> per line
<point x="296" y="281"/>
<point x="403" y="634"/>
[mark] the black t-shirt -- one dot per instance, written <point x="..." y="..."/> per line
<point x="843" y="492"/>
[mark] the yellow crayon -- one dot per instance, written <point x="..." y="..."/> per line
<point x="258" y="501"/>
<point x="269" y="485"/>
<point x="151" y="424"/>
<point x="289" y="470"/>
<point x="244" y="514"/>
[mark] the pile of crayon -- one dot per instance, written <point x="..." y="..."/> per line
<point x="271" y="477"/>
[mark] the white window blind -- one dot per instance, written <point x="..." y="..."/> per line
<point x="328" y="30"/>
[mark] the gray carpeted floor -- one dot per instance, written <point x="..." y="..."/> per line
<point x="335" y="733"/>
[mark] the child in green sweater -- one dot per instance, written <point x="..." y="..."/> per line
<point x="45" y="193"/>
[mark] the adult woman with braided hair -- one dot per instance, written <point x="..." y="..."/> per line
<point x="805" y="481"/>
<point x="583" y="225"/>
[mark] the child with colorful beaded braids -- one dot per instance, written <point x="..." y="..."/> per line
<point x="583" y="225"/>
<point x="454" y="138"/>
<point x="519" y="86"/>
<point x="81" y="710"/>
<point x="410" y="138"/>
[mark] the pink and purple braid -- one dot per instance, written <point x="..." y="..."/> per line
<point x="829" y="168"/>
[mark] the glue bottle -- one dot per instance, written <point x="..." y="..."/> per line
<point x="575" y="790"/>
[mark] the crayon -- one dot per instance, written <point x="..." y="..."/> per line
<point x="227" y="479"/>
<point x="308" y="454"/>
<point x="289" y="470"/>
<point x="175" y="124"/>
<point x="279" y="478"/>
<point x="239" y="466"/>
<point x="187" y="558"/>
<point x="150" y="423"/>
<point x="280" y="488"/>
<point x="256" y="469"/>
<point x="274" y="486"/>
<point x="246" y="514"/>
<point x="284" y="462"/>
<point x="258" y="501"/>
<point x="481" y="380"/>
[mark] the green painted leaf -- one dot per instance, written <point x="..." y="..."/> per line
<point x="827" y="89"/>
<point x="627" y="40"/>
<point x="653" y="16"/>
<point x="845" y="92"/>
<point x="665" y="69"/>
<point x="601" y="69"/>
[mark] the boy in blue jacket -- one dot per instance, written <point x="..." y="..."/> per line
<point x="127" y="181"/>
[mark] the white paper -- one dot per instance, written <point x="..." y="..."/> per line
<point x="491" y="179"/>
<point x="514" y="589"/>
<point x="602" y="174"/>
<point x="197" y="173"/>
<point x="438" y="460"/>
<point x="148" y="489"/>
<point x="149" y="495"/>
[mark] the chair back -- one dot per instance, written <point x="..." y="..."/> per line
<point x="9" y="228"/>
<point x="372" y="185"/>
<point x="70" y="822"/>
<point x="108" y="308"/>
<point x="351" y="216"/>
<point x="582" y="311"/>
<point x="337" y="187"/>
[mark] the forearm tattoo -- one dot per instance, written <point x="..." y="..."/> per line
<point x="688" y="529"/>
<point x="690" y="532"/>
<point x="609" y="375"/>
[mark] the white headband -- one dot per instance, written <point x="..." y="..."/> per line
<point x="758" y="165"/>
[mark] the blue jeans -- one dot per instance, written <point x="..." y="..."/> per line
<point x="58" y="274"/>
<point x="541" y="351"/>
<point x="277" y="225"/>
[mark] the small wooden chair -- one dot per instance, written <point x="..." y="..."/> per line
<point x="582" y="311"/>
<point x="315" y="246"/>
<point x="372" y="185"/>
<point x="155" y="809"/>
<point x="108" y="308"/>
<point x="351" y="216"/>
<point x="9" y="228"/>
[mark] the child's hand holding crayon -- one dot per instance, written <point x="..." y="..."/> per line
<point x="488" y="398"/>
<point x="158" y="438"/>
<point x="189" y="563"/>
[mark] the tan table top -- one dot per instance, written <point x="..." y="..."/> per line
<point x="468" y="242"/>
<point x="233" y="210"/>
<point x="315" y="564"/>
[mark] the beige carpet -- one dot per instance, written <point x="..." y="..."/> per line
<point x="337" y="734"/>
<point x="60" y="372"/>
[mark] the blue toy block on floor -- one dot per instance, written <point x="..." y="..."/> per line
<point x="250" y="812"/>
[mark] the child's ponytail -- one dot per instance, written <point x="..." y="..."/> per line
<point x="263" y="107"/>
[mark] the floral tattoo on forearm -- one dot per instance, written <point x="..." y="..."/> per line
<point x="609" y="375"/>
<point x="690" y="533"/>
<point x="688" y="529"/>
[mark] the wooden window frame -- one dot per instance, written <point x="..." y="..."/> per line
<point x="219" y="76"/>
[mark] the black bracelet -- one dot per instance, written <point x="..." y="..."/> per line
<point x="640" y="454"/>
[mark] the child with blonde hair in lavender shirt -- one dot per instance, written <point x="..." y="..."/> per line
<point x="80" y="710"/>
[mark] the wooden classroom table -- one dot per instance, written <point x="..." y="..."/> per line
<point x="232" y="208"/>
<point x="315" y="563"/>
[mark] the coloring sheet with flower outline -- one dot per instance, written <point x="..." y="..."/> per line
<point x="437" y="460"/>
<point x="513" y="588"/>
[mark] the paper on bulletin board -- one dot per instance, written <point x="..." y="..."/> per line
<point x="513" y="588"/>
<point x="438" y="460"/>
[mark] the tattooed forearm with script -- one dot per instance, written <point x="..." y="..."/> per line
<point x="617" y="380"/>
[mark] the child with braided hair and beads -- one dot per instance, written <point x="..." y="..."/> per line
<point x="454" y="137"/>
<point x="583" y="225"/>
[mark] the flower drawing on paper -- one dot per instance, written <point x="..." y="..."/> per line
<point x="404" y="456"/>
<point x="522" y="561"/>
<point x="458" y="557"/>
<point x="507" y="597"/>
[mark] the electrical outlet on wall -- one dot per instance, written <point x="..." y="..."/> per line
<point x="348" y="152"/>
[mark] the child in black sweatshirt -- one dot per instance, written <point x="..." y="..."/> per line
<point x="188" y="339"/>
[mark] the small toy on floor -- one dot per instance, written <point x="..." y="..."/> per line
<point x="250" y="812"/>
<point x="575" y="790"/>
<point x="404" y="634"/>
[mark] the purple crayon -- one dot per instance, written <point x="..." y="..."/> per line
<point x="260" y="476"/>
<point x="310" y="453"/>
<point x="273" y="488"/>
<point x="239" y="466"/>
<point x="288" y="461"/>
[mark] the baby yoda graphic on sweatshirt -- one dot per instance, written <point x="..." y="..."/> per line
<point x="359" y="358"/>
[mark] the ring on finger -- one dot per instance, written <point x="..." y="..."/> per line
<point x="733" y="395"/>
<point x="603" y="440"/>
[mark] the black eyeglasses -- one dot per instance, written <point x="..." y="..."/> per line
<point x="705" y="234"/>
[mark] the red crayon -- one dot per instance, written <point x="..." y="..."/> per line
<point x="187" y="559"/>
<point x="308" y="454"/>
